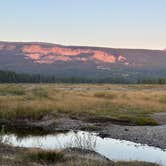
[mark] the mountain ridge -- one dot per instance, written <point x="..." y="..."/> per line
<point x="65" y="61"/>
<point x="83" y="46"/>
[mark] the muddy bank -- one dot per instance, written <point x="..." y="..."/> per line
<point x="13" y="156"/>
<point x="150" y="135"/>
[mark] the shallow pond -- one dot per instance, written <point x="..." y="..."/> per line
<point x="111" y="148"/>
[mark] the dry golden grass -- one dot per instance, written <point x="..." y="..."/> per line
<point x="46" y="156"/>
<point x="134" y="103"/>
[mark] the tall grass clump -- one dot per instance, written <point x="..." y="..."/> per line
<point x="46" y="156"/>
<point x="3" y="140"/>
<point x="106" y="95"/>
<point x="84" y="141"/>
<point x="40" y="92"/>
<point x="163" y="99"/>
<point x="12" y="90"/>
<point x="32" y="110"/>
<point x="2" y="132"/>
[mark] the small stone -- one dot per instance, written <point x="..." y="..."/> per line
<point x="126" y="129"/>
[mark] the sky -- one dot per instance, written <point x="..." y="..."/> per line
<point x="107" y="23"/>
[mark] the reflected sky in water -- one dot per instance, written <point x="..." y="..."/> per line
<point x="111" y="148"/>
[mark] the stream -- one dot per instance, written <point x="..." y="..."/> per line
<point x="113" y="149"/>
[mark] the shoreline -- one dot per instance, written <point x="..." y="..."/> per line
<point x="150" y="135"/>
<point x="17" y="156"/>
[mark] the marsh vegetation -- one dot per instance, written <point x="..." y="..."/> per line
<point x="133" y="104"/>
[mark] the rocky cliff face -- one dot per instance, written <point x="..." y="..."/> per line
<point x="40" y="53"/>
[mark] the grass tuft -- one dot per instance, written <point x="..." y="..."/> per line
<point x="45" y="156"/>
<point x="106" y="95"/>
<point x="11" y="90"/>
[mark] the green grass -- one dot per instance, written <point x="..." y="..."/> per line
<point x="139" y="120"/>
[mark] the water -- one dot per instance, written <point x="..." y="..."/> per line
<point x="111" y="148"/>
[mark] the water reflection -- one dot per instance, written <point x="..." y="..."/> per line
<point x="111" y="148"/>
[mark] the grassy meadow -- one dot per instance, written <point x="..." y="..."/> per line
<point x="132" y="103"/>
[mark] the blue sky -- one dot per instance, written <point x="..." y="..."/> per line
<point x="110" y="23"/>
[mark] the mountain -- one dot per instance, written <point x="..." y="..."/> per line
<point x="77" y="61"/>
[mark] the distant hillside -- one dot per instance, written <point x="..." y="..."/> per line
<point x="90" y="62"/>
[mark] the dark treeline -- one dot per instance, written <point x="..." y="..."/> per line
<point x="12" y="77"/>
<point x="152" y="81"/>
